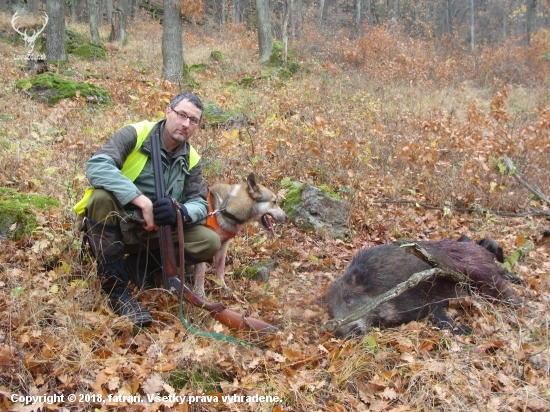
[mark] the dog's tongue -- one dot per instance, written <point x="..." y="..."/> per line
<point x="266" y="222"/>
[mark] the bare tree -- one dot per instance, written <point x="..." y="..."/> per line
<point x="109" y="11"/>
<point x="93" y="11"/>
<point x="55" y="34"/>
<point x="358" y="13"/>
<point x="265" y="35"/>
<point x="172" y="43"/>
<point x="33" y="6"/>
<point x="472" y="26"/>
<point x="530" y="18"/>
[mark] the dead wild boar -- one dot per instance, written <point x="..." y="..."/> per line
<point x="378" y="269"/>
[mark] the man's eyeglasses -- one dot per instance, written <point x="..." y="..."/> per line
<point x="183" y="117"/>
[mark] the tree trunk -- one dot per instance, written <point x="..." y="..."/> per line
<point x="94" y="18"/>
<point x="55" y="31"/>
<point x="172" y="44"/>
<point x="265" y="36"/>
<point x="530" y="16"/>
<point x="369" y="13"/>
<point x="284" y="30"/>
<point x="109" y="11"/>
<point x="100" y="12"/>
<point x="33" y="7"/>
<point x="116" y="24"/>
<point x="322" y="5"/>
<point x="298" y="19"/>
<point x="449" y="17"/>
<point x="124" y="6"/>
<point x="134" y="7"/>
<point x="472" y="26"/>
<point x="79" y="10"/>
<point x="358" y="12"/>
<point x="236" y="15"/>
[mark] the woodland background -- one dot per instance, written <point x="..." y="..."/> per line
<point x="394" y="110"/>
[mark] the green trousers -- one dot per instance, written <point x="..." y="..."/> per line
<point x="200" y="243"/>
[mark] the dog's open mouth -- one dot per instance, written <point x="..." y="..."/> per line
<point x="266" y="223"/>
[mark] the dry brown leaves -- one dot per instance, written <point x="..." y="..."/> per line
<point x="57" y="336"/>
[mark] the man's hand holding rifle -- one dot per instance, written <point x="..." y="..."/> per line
<point x="174" y="275"/>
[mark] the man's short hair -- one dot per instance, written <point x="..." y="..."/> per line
<point x="191" y="97"/>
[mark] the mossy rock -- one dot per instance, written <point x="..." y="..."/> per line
<point x="258" y="271"/>
<point x="198" y="68"/>
<point x="247" y="81"/>
<point x="215" y="116"/>
<point x="73" y="40"/>
<point x="276" y="59"/>
<point x="90" y="51"/>
<point x="16" y="211"/>
<point x="188" y="78"/>
<point x="317" y="208"/>
<point x="217" y="56"/>
<point x="49" y="88"/>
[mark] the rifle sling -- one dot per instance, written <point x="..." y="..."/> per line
<point x="181" y="268"/>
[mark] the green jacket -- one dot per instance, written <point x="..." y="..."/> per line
<point x="124" y="167"/>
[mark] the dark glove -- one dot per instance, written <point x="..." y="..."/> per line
<point x="164" y="212"/>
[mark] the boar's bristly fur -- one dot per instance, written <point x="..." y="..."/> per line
<point x="378" y="269"/>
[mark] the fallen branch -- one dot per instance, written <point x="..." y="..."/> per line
<point x="410" y="283"/>
<point x="535" y="212"/>
<point x="410" y="247"/>
<point x="513" y="171"/>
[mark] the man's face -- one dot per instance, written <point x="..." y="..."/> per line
<point x="177" y="130"/>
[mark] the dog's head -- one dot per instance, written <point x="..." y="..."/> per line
<point x="265" y="206"/>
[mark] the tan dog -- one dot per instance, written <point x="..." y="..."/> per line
<point x="231" y="208"/>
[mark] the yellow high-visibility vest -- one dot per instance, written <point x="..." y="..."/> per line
<point x="135" y="162"/>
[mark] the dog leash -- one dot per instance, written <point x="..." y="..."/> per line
<point x="223" y="210"/>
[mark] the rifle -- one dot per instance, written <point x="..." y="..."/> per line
<point x="170" y="270"/>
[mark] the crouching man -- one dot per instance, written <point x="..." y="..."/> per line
<point x="120" y="214"/>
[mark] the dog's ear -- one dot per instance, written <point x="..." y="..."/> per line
<point x="253" y="188"/>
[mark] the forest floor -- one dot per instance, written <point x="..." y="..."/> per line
<point x="413" y="139"/>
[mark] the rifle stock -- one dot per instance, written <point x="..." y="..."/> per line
<point x="233" y="320"/>
<point x="174" y="276"/>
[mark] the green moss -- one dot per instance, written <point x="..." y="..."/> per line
<point x="206" y="380"/>
<point x="294" y="195"/>
<point x="231" y="83"/>
<point x="217" y="55"/>
<point x="276" y="59"/>
<point x="49" y="88"/>
<point x="247" y="81"/>
<point x="73" y="40"/>
<point x="16" y="214"/>
<point x="215" y="115"/>
<point x="248" y="272"/>
<point x="90" y="51"/>
<point x="329" y="192"/>
<point x="37" y="200"/>
<point x="198" y="68"/>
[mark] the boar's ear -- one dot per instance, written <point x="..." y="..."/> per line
<point x="358" y="280"/>
<point x="492" y="247"/>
